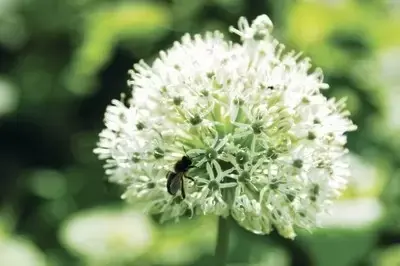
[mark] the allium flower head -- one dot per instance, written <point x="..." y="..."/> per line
<point x="266" y="145"/>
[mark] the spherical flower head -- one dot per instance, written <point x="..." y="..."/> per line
<point x="265" y="145"/>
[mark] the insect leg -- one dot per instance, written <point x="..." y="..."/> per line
<point x="190" y="178"/>
<point x="183" y="194"/>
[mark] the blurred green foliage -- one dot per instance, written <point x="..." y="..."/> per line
<point x="61" y="63"/>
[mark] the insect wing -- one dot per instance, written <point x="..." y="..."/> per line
<point x="174" y="182"/>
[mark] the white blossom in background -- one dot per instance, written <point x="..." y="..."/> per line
<point x="107" y="236"/>
<point x="388" y="65"/>
<point x="353" y="213"/>
<point x="359" y="206"/>
<point x="267" y="146"/>
<point x="18" y="251"/>
<point x="366" y="180"/>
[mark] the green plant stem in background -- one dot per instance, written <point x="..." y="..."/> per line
<point x="222" y="247"/>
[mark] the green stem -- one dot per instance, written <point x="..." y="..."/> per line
<point x="222" y="247"/>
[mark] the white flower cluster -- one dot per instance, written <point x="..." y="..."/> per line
<point x="265" y="144"/>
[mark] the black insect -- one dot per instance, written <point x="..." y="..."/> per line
<point x="175" y="179"/>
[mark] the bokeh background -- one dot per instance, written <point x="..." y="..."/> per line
<point x="61" y="63"/>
